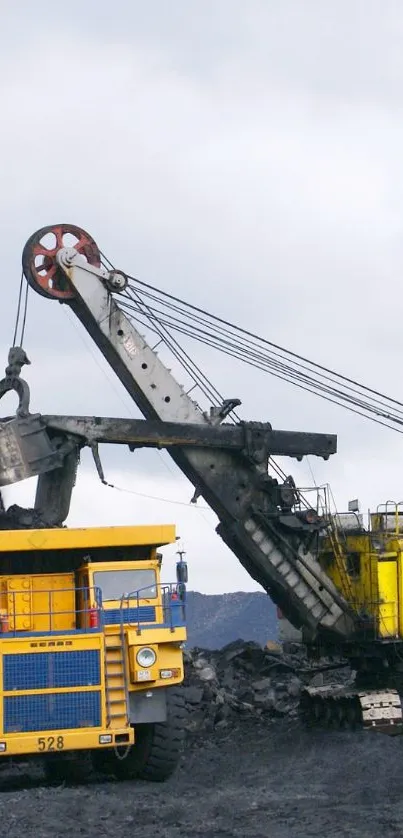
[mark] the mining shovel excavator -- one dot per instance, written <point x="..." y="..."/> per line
<point x="338" y="581"/>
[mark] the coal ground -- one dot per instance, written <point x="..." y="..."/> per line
<point x="255" y="780"/>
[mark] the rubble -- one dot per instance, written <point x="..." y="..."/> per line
<point x="18" y="518"/>
<point x="244" y="679"/>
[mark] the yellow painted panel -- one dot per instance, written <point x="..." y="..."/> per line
<point x="70" y="539"/>
<point x="147" y="636"/>
<point x="169" y="656"/>
<point x="53" y="643"/>
<point x="361" y="589"/>
<point x="40" y="743"/>
<point x="396" y="545"/>
<point x="39" y="602"/>
<point x="19" y="603"/>
<point x="388" y="599"/>
<point x="59" y="690"/>
<point x="130" y="564"/>
<point x="400" y="590"/>
<point x="54" y="602"/>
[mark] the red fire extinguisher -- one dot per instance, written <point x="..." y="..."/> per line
<point x="4" y="623"/>
<point x="93" y="618"/>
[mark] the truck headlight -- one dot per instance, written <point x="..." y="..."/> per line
<point x="146" y="657"/>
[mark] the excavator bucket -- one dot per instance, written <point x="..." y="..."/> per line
<point x="26" y="450"/>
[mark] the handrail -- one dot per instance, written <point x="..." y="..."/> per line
<point x="93" y="614"/>
<point x="10" y="616"/>
<point x="167" y="594"/>
<point x="390" y="509"/>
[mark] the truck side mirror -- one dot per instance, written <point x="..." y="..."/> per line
<point x="181" y="572"/>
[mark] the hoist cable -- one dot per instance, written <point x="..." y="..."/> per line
<point x="251" y="347"/>
<point x="274" y="465"/>
<point x="373" y="406"/>
<point x="264" y="354"/>
<point x="246" y="351"/>
<point x="197" y="376"/>
<point x="302" y="383"/>
<point x="24" y="319"/>
<point x="294" y="375"/>
<point x="163" y="313"/>
<point x="264" y="341"/>
<point x="391" y="414"/>
<point x="354" y="396"/>
<point x="24" y="314"/>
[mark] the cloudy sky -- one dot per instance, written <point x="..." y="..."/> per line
<point x="246" y="156"/>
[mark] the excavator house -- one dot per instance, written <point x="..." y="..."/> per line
<point x="91" y="642"/>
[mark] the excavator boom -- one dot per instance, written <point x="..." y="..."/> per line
<point x="258" y="517"/>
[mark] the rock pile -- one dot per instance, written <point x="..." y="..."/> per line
<point x="18" y="518"/>
<point x="243" y="679"/>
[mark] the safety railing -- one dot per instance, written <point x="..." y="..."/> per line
<point x="168" y="607"/>
<point x="388" y="518"/>
<point x="376" y="619"/>
<point x="39" y="612"/>
<point x="20" y="615"/>
<point x="335" y="532"/>
<point x="388" y="623"/>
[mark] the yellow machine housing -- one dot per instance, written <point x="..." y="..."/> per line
<point x="80" y="644"/>
<point x="366" y="565"/>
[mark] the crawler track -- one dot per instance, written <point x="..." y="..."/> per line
<point x="339" y="707"/>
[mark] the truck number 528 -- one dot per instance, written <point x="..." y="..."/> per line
<point x="51" y="743"/>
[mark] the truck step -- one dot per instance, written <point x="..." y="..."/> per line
<point x="115" y="682"/>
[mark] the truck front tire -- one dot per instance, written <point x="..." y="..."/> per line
<point x="158" y="746"/>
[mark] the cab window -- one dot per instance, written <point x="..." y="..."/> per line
<point x="115" y="583"/>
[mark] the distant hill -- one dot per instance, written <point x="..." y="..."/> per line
<point x="213" y="620"/>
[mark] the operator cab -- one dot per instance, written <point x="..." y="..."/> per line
<point x="113" y="593"/>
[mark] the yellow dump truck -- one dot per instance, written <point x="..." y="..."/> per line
<point x="91" y="658"/>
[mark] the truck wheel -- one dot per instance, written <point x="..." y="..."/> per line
<point x="158" y="746"/>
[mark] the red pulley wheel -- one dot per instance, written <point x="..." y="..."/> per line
<point x="39" y="263"/>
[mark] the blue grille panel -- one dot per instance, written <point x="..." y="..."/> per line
<point x="57" y="711"/>
<point x="50" y="670"/>
<point x="143" y="614"/>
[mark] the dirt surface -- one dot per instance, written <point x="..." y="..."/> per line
<point x="276" y="781"/>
